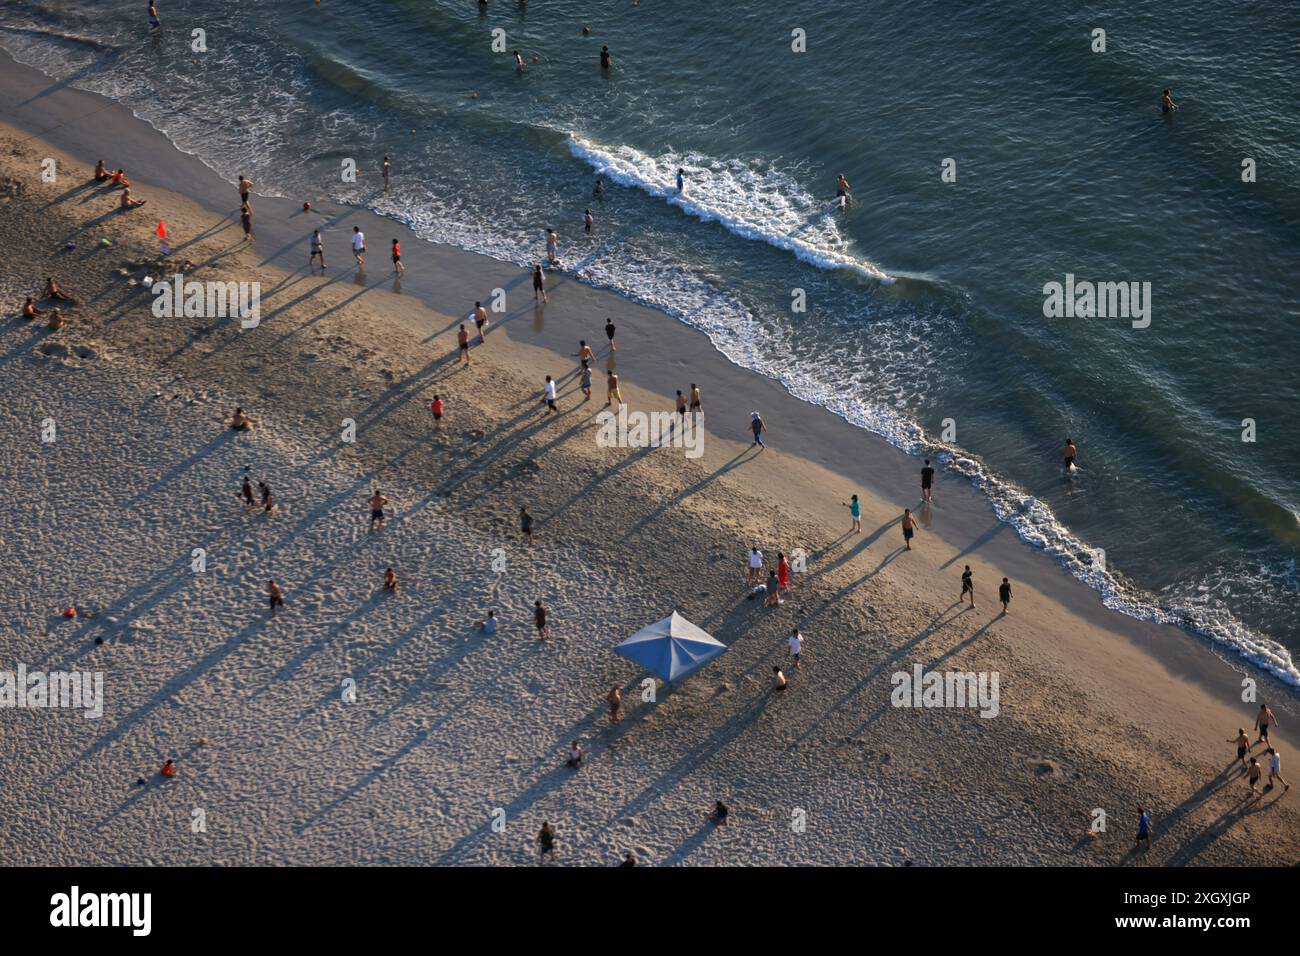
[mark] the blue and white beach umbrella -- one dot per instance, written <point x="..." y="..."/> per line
<point x="672" y="648"/>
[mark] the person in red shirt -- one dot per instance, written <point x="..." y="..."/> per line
<point x="169" y="769"/>
<point x="397" y="258"/>
<point x="436" y="408"/>
<point x="782" y="572"/>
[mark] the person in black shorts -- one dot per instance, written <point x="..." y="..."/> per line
<point x="546" y="838"/>
<point x="526" y="524"/>
<point x="1004" y="594"/>
<point x="967" y="586"/>
<point x="539" y="618"/>
<point x="927" y="482"/>
<point x="276" y="596"/>
<point x="539" y="284"/>
<point x="609" y="331"/>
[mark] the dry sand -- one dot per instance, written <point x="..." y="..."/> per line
<point x="1096" y="711"/>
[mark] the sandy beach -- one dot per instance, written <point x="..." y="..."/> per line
<point x="366" y="728"/>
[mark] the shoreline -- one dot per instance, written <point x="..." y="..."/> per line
<point x="1130" y="665"/>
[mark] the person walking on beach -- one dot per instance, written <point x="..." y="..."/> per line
<point x="755" y="567"/>
<point x="387" y="168"/>
<point x="268" y="499"/>
<point x="782" y="572"/>
<point x="927" y="483"/>
<point x="154" y="22"/>
<point x="462" y="343"/>
<point x="317" y="252"/>
<point x="615" y="701"/>
<point x="1242" y="740"/>
<point x="1253" y="773"/>
<point x="756" y="423"/>
<point x="610" y="329"/>
<point x="695" y="399"/>
<point x="587" y="221"/>
<point x="546" y="840"/>
<point x="377" y="502"/>
<point x="855" y="512"/>
<point x="246" y="220"/>
<point x="246" y="492"/>
<point x="1262" y="720"/>
<point x="245" y="188"/>
<point x="274" y="595"/>
<point x="1004" y="594"/>
<point x="586" y="384"/>
<point x="359" y="247"/>
<point x="796" y="647"/>
<point x="1167" y="104"/>
<point x="397" y="258"/>
<point x="612" y="393"/>
<point x="1144" y="829"/>
<point x="967" y="587"/>
<point x="1275" y="769"/>
<point x="549" y="395"/>
<point x="437" y="407"/>
<point x="584" y="355"/>
<point x="480" y="320"/>
<point x="539" y="284"/>
<point x="539" y="619"/>
<point x="909" y="527"/>
<point x="526" y="524"/>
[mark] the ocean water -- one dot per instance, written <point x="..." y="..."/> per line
<point x="925" y="299"/>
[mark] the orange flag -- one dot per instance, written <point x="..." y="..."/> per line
<point x="162" y="229"/>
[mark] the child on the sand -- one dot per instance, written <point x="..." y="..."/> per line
<point x="390" y="580"/>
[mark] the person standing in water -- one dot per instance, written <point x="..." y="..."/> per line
<point x="1069" y="453"/>
<point x="552" y="248"/>
<point x="598" y="191"/>
<point x="606" y="58"/>
<point x="587" y="221"/>
<point x="1167" y="104"/>
<point x="387" y="166"/>
<point x="843" y="191"/>
<point x="154" y="22"/>
<point x="397" y="258"/>
<point x="681" y="182"/>
<point x="519" y="63"/>
<point x="927" y="483"/>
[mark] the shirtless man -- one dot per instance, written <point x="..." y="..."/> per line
<point x="1167" y="104"/>
<point x="1242" y="741"/>
<point x="1069" y="453"/>
<point x="29" y="309"/>
<point x="317" y="251"/>
<point x="615" y="700"/>
<point x="52" y="291"/>
<point x="377" y="502"/>
<point x="101" y="173"/>
<point x="1253" y="773"/>
<point x="909" y="528"/>
<point x="241" y="422"/>
<point x="275" y="595"/>
<point x="842" y="188"/>
<point x="584" y="354"/>
<point x="462" y="342"/>
<point x="154" y="22"/>
<point x="55" y="321"/>
<point x="695" y="399"/>
<point x="387" y="166"/>
<point x="128" y="202"/>
<point x="1262" y="720"/>
<point x="480" y="320"/>
<point x="681" y="406"/>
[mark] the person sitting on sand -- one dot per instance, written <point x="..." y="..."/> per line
<point x="575" y="756"/>
<point x="128" y="202"/>
<point x="168" y="769"/>
<point x="390" y="580"/>
<point x="719" y="814"/>
<point x="629" y="860"/>
<point x="29" y="309"/>
<point x="56" y="321"/>
<point x="488" y="625"/>
<point x="546" y="838"/>
<point x="52" y="291"/>
<point x="119" y="179"/>
<point x="100" y="172"/>
<point x="241" y="422"/>
<point x="778" y="679"/>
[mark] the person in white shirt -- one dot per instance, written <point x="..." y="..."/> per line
<point x="755" y="566"/>
<point x="359" y="246"/>
<point x="488" y="625"/>
<point x="550" y="394"/>
<point x="796" y="647"/>
<point x="1275" y="768"/>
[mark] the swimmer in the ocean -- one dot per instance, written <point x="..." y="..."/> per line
<point x="599" y="191"/>
<point x="1069" y="453"/>
<point x="1167" y="104"/>
<point x="154" y="22"/>
<point x="605" y="58"/>
<point x="842" y="188"/>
